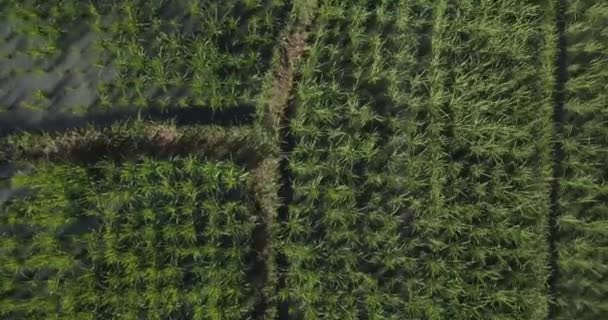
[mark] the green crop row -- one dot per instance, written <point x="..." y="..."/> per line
<point x="183" y="53"/>
<point x="421" y="162"/>
<point x="583" y="224"/>
<point x="152" y="239"/>
<point x="481" y="230"/>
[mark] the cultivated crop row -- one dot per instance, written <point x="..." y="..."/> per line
<point x="153" y="239"/>
<point x="582" y="240"/>
<point x="421" y="162"/>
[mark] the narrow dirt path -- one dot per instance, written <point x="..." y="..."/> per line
<point x="283" y="106"/>
<point x="281" y="109"/>
<point x="284" y="81"/>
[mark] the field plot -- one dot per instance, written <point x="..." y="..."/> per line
<point x="124" y="218"/>
<point x="480" y="242"/>
<point x="421" y="163"/>
<point x="74" y="56"/>
<point x="582" y="242"/>
<point x="200" y="199"/>
<point x="303" y="159"/>
<point x="153" y="239"/>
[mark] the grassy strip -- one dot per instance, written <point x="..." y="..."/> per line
<point x="280" y="80"/>
<point x="265" y="185"/>
<point x="246" y="145"/>
<point x="274" y="115"/>
<point x="422" y="163"/>
<point x="156" y="239"/>
<point x="583" y="224"/>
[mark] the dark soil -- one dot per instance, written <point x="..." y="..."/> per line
<point x="561" y="75"/>
<point x="42" y="121"/>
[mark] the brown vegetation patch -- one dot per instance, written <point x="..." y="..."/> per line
<point x="284" y="78"/>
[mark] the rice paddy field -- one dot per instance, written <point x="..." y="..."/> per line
<point x="304" y="159"/>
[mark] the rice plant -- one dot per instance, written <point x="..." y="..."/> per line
<point x="153" y="239"/>
<point x="583" y="223"/>
<point x="214" y="53"/>
<point x="206" y="54"/>
<point x="421" y="163"/>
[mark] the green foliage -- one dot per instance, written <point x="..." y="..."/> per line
<point x="166" y="54"/>
<point x="212" y="53"/>
<point x="421" y="163"/>
<point x="420" y="166"/>
<point x="304" y="11"/>
<point x="583" y="224"/>
<point x="153" y="239"/>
